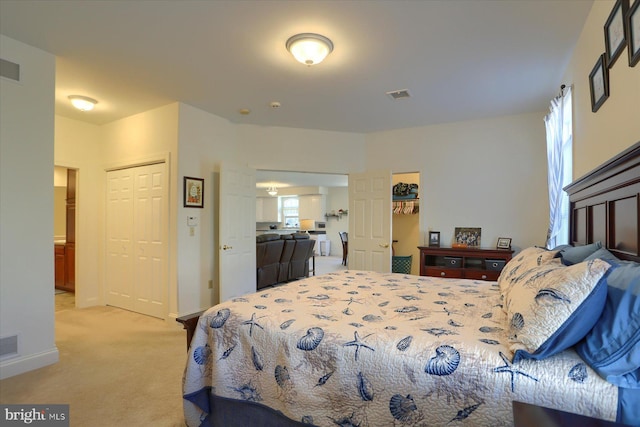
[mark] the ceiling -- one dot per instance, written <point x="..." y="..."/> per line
<point x="459" y="59"/>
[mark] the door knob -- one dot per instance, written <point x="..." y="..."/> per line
<point x="225" y="247"/>
<point x="384" y="245"/>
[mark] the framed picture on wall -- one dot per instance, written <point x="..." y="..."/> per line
<point x="599" y="83"/>
<point x="614" y="31"/>
<point x="193" y="192"/>
<point x="633" y="33"/>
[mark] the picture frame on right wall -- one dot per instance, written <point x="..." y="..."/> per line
<point x="633" y="33"/>
<point x="614" y="32"/>
<point x="599" y="83"/>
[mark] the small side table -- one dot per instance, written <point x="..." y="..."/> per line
<point x="189" y="322"/>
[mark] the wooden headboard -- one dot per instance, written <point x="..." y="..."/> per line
<point x="604" y="205"/>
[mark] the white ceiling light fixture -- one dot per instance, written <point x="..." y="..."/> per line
<point x="272" y="191"/>
<point x="83" y="103"/>
<point x="309" y="48"/>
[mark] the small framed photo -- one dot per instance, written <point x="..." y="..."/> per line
<point x="193" y="192"/>
<point x="434" y="238"/>
<point x="504" y="243"/>
<point x="614" y="31"/>
<point x="633" y="33"/>
<point x="599" y="83"/>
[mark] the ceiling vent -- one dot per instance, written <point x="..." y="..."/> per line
<point x="399" y="94"/>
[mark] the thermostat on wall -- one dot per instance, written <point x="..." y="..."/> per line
<point x="192" y="221"/>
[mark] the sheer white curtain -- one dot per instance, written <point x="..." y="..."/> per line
<point x="559" y="159"/>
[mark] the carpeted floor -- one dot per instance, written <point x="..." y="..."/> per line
<point x="116" y="368"/>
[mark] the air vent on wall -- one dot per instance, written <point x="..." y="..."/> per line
<point x="398" y="94"/>
<point x="9" y="346"/>
<point x="9" y="70"/>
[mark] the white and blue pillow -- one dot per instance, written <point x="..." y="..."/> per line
<point x="520" y="264"/>
<point x="550" y="307"/>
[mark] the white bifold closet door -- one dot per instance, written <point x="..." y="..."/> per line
<point x="136" y="236"/>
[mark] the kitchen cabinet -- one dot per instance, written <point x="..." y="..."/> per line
<point x="70" y="245"/>
<point x="313" y="206"/>
<point x="267" y="209"/>
<point x="59" y="263"/>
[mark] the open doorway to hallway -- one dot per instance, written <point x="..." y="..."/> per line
<point x="65" y="181"/>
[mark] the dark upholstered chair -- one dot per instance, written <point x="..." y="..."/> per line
<point x="299" y="266"/>
<point x="285" y="257"/>
<point x="268" y="253"/>
<point x="344" y="237"/>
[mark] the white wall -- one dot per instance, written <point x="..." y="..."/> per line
<point x="78" y="146"/>
<point x="26" y="208"/>
<point x="487" y="173"/>
<point x="615" y="126"/>
<point x="303" y="150"/>
<point x="206" y="141"/>
<point x="135" y="140"/>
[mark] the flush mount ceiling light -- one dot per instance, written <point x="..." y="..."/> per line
<point x="272" y="191"/>
<point x="83" y="103"/>
<point x="309" y="48"/>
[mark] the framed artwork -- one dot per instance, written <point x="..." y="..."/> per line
<point x="434" y="238"/>
<point x="614" y="31"/>
<point x="633" y="33"/>
<point x="193" y="192"/>
<point x="469" y="236"/>
<point x="599" y="83"/>
<point x="504" y="243"/>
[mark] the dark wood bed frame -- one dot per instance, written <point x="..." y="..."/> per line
<point x="604" y="206"/>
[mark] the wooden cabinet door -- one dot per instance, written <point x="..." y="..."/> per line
<point x="70" y="267"/>
<point x="59" y="266"/>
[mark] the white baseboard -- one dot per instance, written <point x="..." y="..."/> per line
<point x="21" y="364"/>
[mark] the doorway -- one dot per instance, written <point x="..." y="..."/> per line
<point x="405" y="219"/>
<point x="65" y="182"/>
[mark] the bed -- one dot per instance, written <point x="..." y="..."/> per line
<point x="359" y="348"/>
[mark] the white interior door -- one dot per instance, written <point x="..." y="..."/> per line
<point x="150" y="237"/>
<point x="237" y="231"/>
<point x="119" y="236"/>
<point x="136" y="228"/>
<point x="370" y="221"/>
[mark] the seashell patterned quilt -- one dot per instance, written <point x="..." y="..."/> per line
<point x="380" y="349"/>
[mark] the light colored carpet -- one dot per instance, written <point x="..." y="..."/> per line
<point x="116" y="368"/>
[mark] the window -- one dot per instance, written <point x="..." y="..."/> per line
<point x="560" y="167"/>
<point x="290" y="215"/>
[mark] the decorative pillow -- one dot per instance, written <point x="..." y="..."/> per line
<point x="552" y="307"/>
<point x="612" y="347"/>
<point x="527" y="259"/>
<point x="575" y="254"/>
<point x="604" y="254"/>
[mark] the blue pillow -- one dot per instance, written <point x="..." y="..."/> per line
<point x="575" y="254"/>
<point x="612" y="347"/>
<point x="604" y="254"/>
